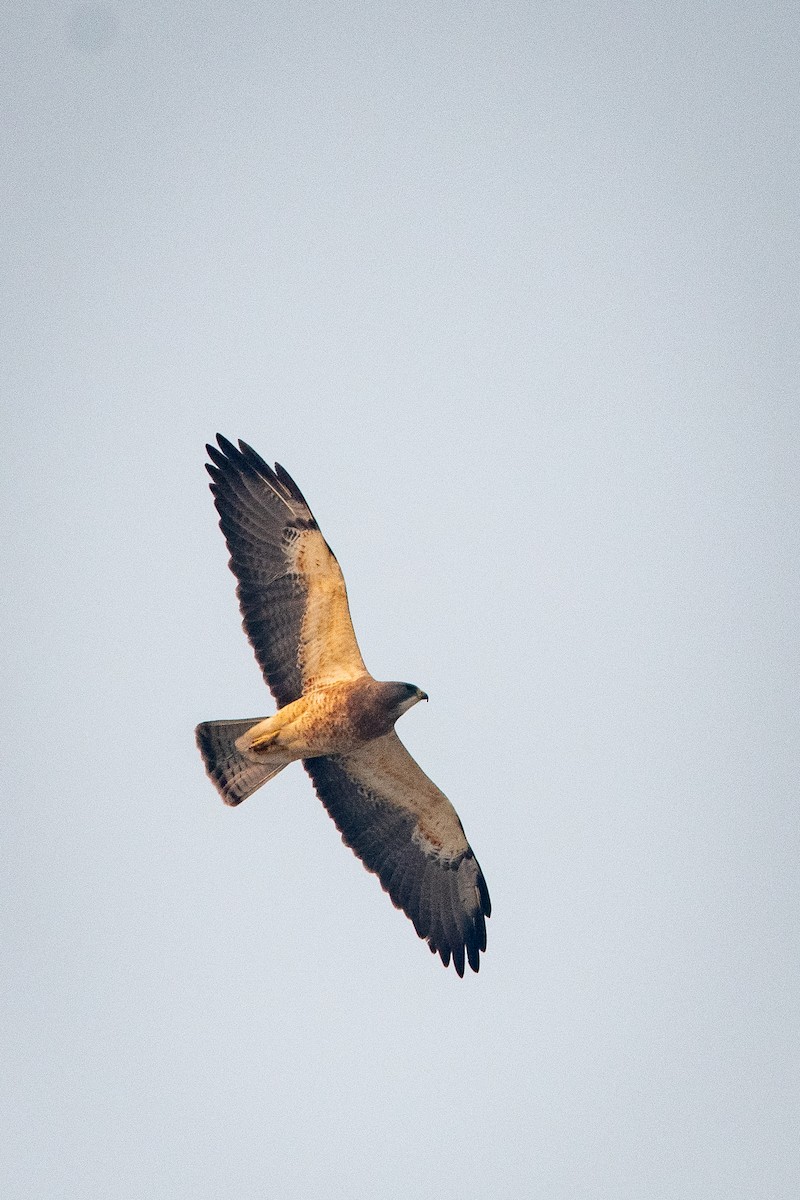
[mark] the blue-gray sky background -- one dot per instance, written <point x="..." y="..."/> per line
<point x="512" y="290"/>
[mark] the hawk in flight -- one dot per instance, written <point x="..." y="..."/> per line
<point x="332" y="715"/>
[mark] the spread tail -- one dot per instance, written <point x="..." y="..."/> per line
<point x="235" y="775"/>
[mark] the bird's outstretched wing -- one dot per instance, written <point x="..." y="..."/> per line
<point x="407" y="832"/>
<point x="291" y="590"/>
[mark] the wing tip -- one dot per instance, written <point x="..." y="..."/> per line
<point x="230" y="460"/>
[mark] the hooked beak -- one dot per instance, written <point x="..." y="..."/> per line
<point x="422" y="695"/>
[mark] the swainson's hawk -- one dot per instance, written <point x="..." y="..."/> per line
<point x="331" y="713"/>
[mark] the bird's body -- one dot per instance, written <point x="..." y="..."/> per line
<point x="333" y="719"/>
<point x="333" y="715"/>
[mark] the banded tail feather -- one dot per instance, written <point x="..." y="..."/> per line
<point x="234" y="774"/>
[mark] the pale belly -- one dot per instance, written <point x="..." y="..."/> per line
<point x="327" y="720"/>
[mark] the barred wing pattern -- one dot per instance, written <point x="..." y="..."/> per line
<point x="291" y="591"/>
<point x="407" y="832"/>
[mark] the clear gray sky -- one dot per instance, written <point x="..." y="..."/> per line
<point x="512" y="290"/>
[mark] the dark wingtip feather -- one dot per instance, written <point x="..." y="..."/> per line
<point x="227" y="448"/>
<point x="245" y="461"/>
<point x="285" y="478"/>
<point x="254" y="460"/>
<point x="486" y="904"/>
<point x="219" y="460"/>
